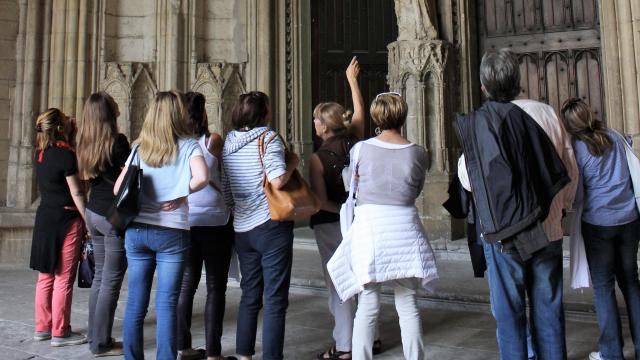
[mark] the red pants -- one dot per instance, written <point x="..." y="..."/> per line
<point x="54" y="291"/>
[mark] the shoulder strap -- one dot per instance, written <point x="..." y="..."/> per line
<point x="353" y="184"/>
<point x="262" y="145"/>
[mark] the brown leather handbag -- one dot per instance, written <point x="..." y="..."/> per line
<point x="294" y="201"/>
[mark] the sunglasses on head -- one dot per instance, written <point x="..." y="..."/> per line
<point x="388" y="93"/>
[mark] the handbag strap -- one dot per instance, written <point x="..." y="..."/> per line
<point x="135" y="152"/>
<point x="353" y="184"/>
<point x="262" y="145"/>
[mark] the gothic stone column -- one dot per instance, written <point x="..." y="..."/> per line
<point x="620" y="31"/>
<point x="417" y="65"/>
<point x="417" y="71"/>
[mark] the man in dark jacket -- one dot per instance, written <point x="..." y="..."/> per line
<point x="514" y="173"/>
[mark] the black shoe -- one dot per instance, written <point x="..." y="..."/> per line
<point x="377" y="347"/>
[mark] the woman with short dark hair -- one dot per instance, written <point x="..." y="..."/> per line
<point x="264" y="246"/>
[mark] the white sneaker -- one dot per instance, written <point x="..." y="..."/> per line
<point x="595" y="356"/>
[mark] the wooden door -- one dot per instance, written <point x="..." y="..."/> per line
<point x="342" y="29"/>
<point x="557" y="42"/>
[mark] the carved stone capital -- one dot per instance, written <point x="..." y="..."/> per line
<point x="417" y="58"/>
<point x="221" y="83"/>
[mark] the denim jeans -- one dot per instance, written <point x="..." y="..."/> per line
<point x="510" y="280"/>
<point x="111" y="264"/>
<point x="612" y="253"/>
<point x="265" y="255"/>
<point x="213" y="246"/>
<point x="149" y="247"/>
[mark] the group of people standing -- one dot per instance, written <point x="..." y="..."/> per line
<point x="202" y="197"/>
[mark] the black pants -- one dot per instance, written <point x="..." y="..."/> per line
<point x="213" y="246"/>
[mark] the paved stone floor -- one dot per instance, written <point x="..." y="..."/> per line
<point x="449" y="333"/>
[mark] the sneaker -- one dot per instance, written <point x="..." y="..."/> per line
<point x="72" y="339"/>
<point x="116" y="350"/>
<point x="42" y="335"/>
<point x="595" y="356"/>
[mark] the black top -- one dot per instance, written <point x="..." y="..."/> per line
<point x="57" y="163"/>
<point x="514" y="169"/>
<point x="52" y="219"/>
<point x="334" y="156"/>
<point x="101" y="196"/>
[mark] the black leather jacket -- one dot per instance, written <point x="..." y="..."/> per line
<point x="513" y="168"/>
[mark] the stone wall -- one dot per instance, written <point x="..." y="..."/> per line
<point x="9" y="23"/>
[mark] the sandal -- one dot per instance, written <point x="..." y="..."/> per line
<point x="333" y="354"/>
<point x="377" y="347"/>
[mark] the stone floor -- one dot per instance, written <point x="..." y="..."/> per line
<point x="456" y="319"/>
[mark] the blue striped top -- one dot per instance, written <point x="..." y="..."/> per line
<point x="243" y="175"/>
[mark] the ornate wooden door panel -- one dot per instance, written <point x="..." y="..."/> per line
<point x="342" y="29"/>
<point x="558" y="44"/>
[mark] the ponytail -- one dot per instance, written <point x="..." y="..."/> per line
<point x="578" y="119"/>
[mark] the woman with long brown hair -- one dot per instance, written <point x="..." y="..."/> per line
<point x="610" y="224"/>
<point x="58" y="230"/>
<point x="102" y="152"/>
<point x="173" y="167"/>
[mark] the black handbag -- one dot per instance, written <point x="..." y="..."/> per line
<point x="86" y="267"/>
<point x="126" y="205"/>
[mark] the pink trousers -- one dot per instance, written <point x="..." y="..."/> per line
<point x="54" y="291"/>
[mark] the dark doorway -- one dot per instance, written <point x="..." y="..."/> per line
<point x="342" y="29"/>
<point x="557" y="41"/>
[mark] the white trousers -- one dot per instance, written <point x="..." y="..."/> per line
<point x="364" y="327"/>
<point x="328" y="237"/>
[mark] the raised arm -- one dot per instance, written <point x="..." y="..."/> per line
<point x="357" y="121"/>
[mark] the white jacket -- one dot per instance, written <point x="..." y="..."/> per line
<point x="385" y="242"/>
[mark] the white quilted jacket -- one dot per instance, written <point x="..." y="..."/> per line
<point x="385" y="242"/>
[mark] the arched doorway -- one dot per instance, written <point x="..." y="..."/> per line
<point x="342" y="29"/>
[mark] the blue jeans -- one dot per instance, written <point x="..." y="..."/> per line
<point x="510" y="280"/>
<point x="612" y="253"/>
<point x="149" y="247"/>
<point x="265" y="255"/>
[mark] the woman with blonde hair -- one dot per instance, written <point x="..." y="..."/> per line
<point x="102" y="152"/>
<point x="339" y="132"/>
<point x="59" y="229"/>
<point x="386" y="243"/>
<point x="610" y="224"/>
<point x="173" y="167"/>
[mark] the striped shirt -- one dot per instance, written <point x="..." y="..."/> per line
<point x="243" y="175"/>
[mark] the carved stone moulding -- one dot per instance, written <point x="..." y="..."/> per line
<point x="416" y="58"/>
<point x="133" y="87"/>
<point x="221" y="83"/>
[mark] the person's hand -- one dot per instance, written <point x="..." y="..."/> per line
<point x="291" y="159"/>
<point x="353" y="69"/>
<point x="174" y="204"/>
